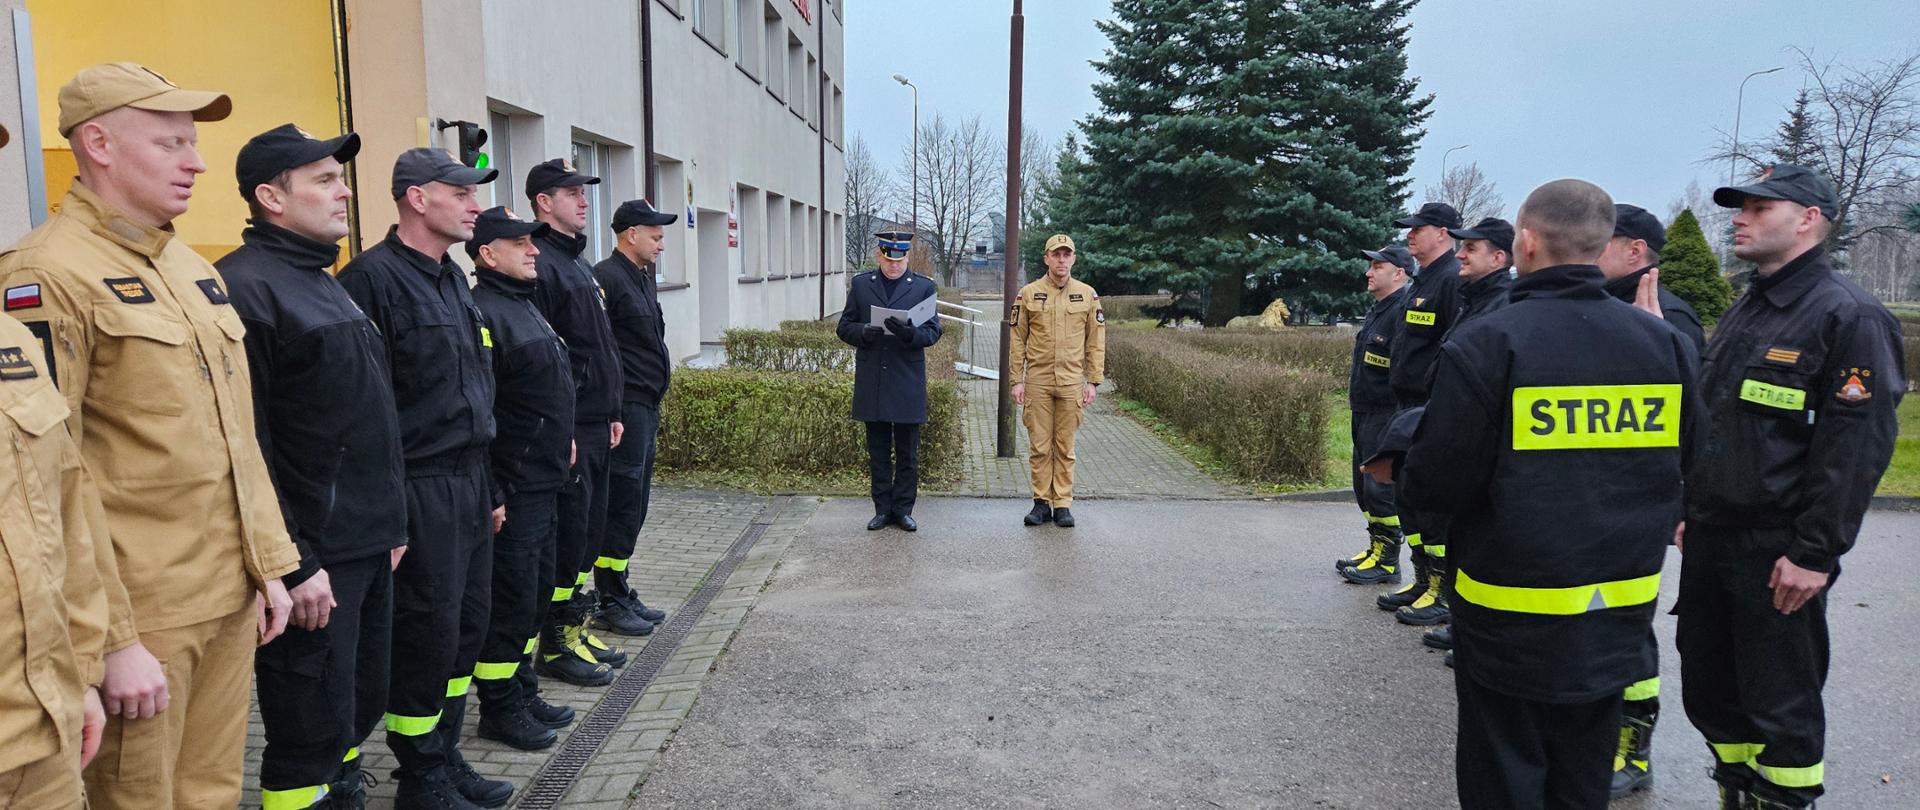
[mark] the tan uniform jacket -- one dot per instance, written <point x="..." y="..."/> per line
<point x="138" y="334"/>
<point x="53" y="614"/>
<point x="1059" y="335"/>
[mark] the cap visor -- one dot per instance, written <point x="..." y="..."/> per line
<point x="657" y="218"/>
<point x="578" y="180"/>
<point x="1465" y="233"/>
<point x="344" y="147"/>
<point x="468" y="176"/>
<point x="1736" y="196"/>
<point x="205" y="105"/>
<point x="1409" y="222"/>
<point x="1376" y="256"/>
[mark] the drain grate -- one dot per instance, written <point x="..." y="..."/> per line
<point x="563" y="769"/>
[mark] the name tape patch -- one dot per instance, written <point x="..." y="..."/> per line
<point x="1419" y="318"/>
<point x="1773" y="396"/>
<point x="1596" y="417"/>
<point x="1372" y="359"/>
<point x="130" y="290"/>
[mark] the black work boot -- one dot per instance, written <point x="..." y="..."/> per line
<point x="348" y="791"/>
<point x="1381" y="565"/>
<point x="430" y="791"/>
<point x="562" y="656"/>
<point x="1439" y="638"/>
<point x="1765" y="796"/>
<point x="584" y="608"/>
<point x="1063" y="517"/>
<point x="1731" y="798"/>
<point x="514" y="725"/>
<point x="639" y="608"/>
<point x="478" y="789"/>
<point x="1042" y="513"/>
<point x="1431" y="607"/>
<point x="616" y="615"/>
<point x="1633" y="765"/>
<point x="879" y="522"/>
<point x="544" y="713"/>
<point x="1413" y="591"/>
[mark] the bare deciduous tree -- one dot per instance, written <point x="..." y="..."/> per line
<point x="1037" y="177"/>
<point x="870" y="189"/>
<point x="1469" y="191"/>
<point x="960" y="182"/>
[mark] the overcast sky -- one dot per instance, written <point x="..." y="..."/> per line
<point x="1626" y="93"/>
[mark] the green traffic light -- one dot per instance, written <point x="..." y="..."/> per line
<point x="481" y="160"/>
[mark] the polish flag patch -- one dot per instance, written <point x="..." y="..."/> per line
<point x="25" y="296"/>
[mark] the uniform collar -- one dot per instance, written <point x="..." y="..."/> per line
<point x="1793" y="280"/>
<point x="502" y="283"/>
<point x="290" y="247"/>
<point x="1627" y="286"/>
<point x="1489" y="284"/>
<point x="420" y="261"/>
<point x="86" y="206"/>
<point x="1450" y="260"/>
<point x="1575" y="281"/>
<point x="573" y="245"/>
<point x="1391" y="300"/>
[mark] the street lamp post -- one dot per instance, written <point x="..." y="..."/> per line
<point x="1443" y="163"/>
<point x="914" y="216"/>
<point x="1739" y="101"/>
<point x="1010" y="275"/>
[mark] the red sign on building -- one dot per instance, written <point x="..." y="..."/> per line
<point x="805" y="13"/>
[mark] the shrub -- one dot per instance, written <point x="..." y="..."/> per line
<point x="1325" y="350"/>
<point x="1689" y="268"/>
<point x="788" y="350"/>
<point x="1266" y="421"/>
<point x="1130" y="307"/>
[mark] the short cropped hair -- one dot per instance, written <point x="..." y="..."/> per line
<point x="1573" y="219"/>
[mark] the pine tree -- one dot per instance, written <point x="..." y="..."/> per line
<point x="1247" y="149"/>
<point x="1794" y="142"/>
<point x="1689" y="269"/>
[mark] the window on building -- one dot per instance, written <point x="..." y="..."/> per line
<point x="839" y="128"/>
<point x="671" y="198"/>
<point x="499" y="149"/>
<point x="776" y="39"/>
<point x="597" y="159"/>
<point x="796" y="76"/>
<point x="813" y="91"/>
<point x="747" y="36"/>
<point x="710" y="21"/>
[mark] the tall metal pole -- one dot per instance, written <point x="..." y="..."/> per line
<point x="1011" y="276"/>
<point x="1739" y="101"/>
<point x="913" y="217"/>
<point x="1443" y="163"/>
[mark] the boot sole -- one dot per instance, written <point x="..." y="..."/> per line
<point x="1422" y="621"/>
<point x="619" y="632"/>
<point x="1362" y="579"/>
<point x="582" y="682"/>
<point x="1390" y="607"/>
<point x="518" y="744"/>
<point x="1428" y="640"/>
<point x="1637" y="786"/>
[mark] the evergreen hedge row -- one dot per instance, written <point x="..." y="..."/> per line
<point x="1329" y="351"/>
<point x="1265" y="420"/>
<point x="813" y="346"/>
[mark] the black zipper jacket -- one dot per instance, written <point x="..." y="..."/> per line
<point x="322" y="399"/>
<point x="533" y="388"/>
<point x="633" y="305"/>
<point x="1483" y="295"/>
<point x="572" y="302"/>
<point x="1432" y="303"/>
<point x="1803" y="379"/>
<point x="1367" y="388"/>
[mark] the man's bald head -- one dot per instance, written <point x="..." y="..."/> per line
<point x="1563" y="222"/>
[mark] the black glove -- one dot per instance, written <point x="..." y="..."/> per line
<point x="900" y="329"/>
<point x="871" y="334"/>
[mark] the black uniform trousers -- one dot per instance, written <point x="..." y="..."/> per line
<point x="323" y="691"/>
<point x="441" y="598"/>
<point x="583" y="512"/>
<point x="1511" y="752"/>
<point x="523" y="575"/>
<point x="893" y="459"/>
<point x="1750" y="677"/>
<point x="629" y="490"/>
<point x="1374" y="498"/>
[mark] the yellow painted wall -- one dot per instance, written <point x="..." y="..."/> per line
<point x="275" y="58"/>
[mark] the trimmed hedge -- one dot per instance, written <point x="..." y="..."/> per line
<point x="1266" y="421"/>
<point x="1325" y="350"/>
<point x="1130" y="307"/>
<point x="759" y="421"/>
<point x="813" y="346"/>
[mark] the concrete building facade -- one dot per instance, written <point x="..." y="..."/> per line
<point x="747" y="118"/>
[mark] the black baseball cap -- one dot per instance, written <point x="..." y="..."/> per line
<point x="499" y="222"/>
<point x="1784" y="181"/>
<point x="1433" y="213"/>
<point x="422" y="165"/>
<point x="639" y="212"/>
<point x="1634" y="222"/>
<point x="1493" y="229"/>
<point x="1395" y="255"/>
<point x="286" y="147"/>
<point x="555" y="173"/>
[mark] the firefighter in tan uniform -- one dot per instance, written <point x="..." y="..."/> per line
<point x="1058" y="358"/>
<point x="135" y="329"/>
<point x="57" y="626"/>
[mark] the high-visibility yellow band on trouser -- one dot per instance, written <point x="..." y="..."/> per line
<point x="1436" y="550"/>
<point x="352" y="754"/>
<point x="458" y="686"/>
<point x="581" y="580"/>
<point x="1749" y="753"/>
<point x="1644" y="690"/>
<point x="295" y="799"/>
<point x="610" y="563"/>
<point x="412" y="726"/>
<point x="1558" y="601"/>
<point x="1413" y="539"/>
<point x="532" y="644"/>
<point x="1384" y="520"/>
<point x="495" y="670"/>
<point x="562" y="594"/>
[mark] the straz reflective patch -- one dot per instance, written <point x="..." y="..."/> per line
<point x="1419" y="318"/>
<point x="14" y="364"/>
<point x="1596" y="417"/>
<point x="130" y="290"/>
<point x="1372" y="359"/>
<point x="1773" y="396"/>
<point x="486" y="337"/>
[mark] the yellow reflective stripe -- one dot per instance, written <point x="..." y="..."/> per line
<point x="486" y="337"/>
<point x="495" y="670"/>
<point x="562" y="594"/>
<point x="1419" y="318"/>
<point x="1372" y="359"/>
<point x="1644" y="690"/>
<point x="1558" y="601"/>
<point x="1809" y="776"/>
<point x="1436" y="550"/>
<point x="407" y="726"/>
<point x="1596" y="417"/>
<point x="458" y="686"/>
<point x="532" y="643"/>
<point x="1736" y="753"/>
<point x="352" y="754"/>
<point x="594" y="641"/>
<point x="295" y="799"/>
<point x="1414" y="539"/>
<point x="1389" y="520"/>
<point x="1773" y="396"/>
<point x="610" y="563"/>
<point x="581" y="580"/>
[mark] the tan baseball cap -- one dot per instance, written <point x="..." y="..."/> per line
<point x="105" y="88"/>
<point x="1060" y="240"/>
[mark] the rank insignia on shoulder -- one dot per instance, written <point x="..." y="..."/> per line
<point x="14" y="364"/>
<point x="130" y="290"/>
<point x="1855" y="390"/>
<point x="25" y="296"/>
<point x="1419" y="301"/>
<point x="1781" y="355"/>
<point x="1100" y="316"/>
<point x="212" y="288"/>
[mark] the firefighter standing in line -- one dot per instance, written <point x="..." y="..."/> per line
<point x="443" y="388"/>
<point x="571" y="299"/>
<point x="1545" y="419"/>
<point x="1371" y="400"/>
<point x="1631" y="262"/>
<point x="54" y="719"/>
<point x="323" y="409"/>
<point x="640" y="330"/>
<point x="1803" y="379"/>
<point x="140" y="338"/>
<point x="890" y="376"/>
<point x="533" y="409"/>
<point x="1060" y="348"/>
<point x="1432" y="300"/>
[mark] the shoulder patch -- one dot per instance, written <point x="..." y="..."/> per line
<point x="130" y="290"/>
<point x="212" y="288"/>
<point x="1781" y="355"/>
<point x="14" y="364"/>
<point x="25" y="296"/>
<point x="1855" y="387"/>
